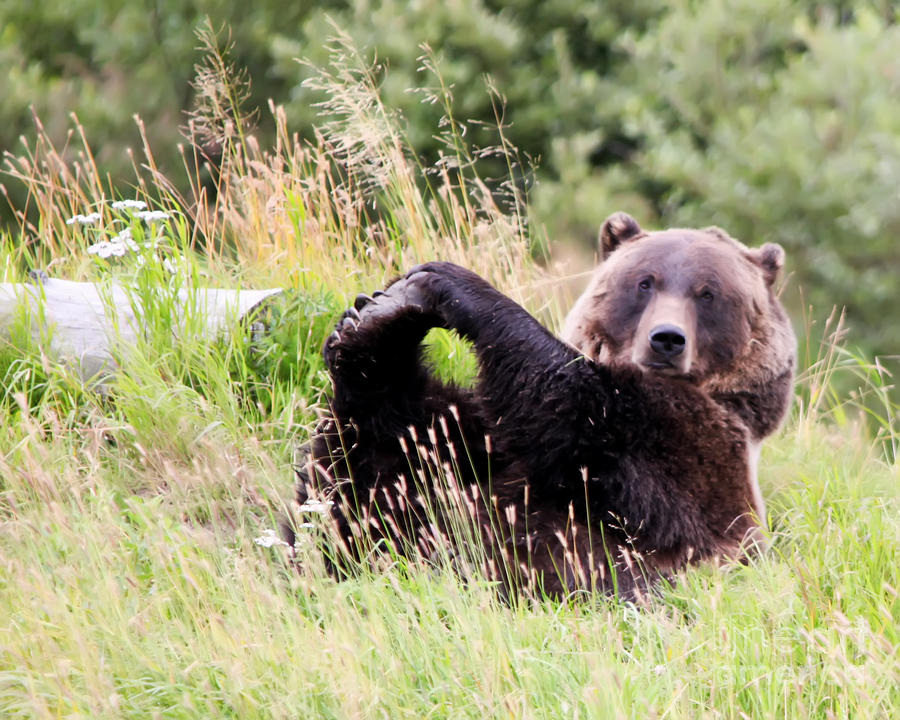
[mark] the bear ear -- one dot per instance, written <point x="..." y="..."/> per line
<point x="769" y="257"/>
<point x="616" y="229"/>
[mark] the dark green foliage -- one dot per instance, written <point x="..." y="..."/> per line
<point x="107" y="62"/>
<point x="280" y="349"/>
<point x="783" y="126"/>
<point x="544" y="58"/>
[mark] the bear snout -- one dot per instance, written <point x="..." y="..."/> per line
<point x="667" y="341"/>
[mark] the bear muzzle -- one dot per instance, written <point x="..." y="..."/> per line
<point x="664" y="337"/>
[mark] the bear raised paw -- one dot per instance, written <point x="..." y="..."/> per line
<point x="562" y="470"/>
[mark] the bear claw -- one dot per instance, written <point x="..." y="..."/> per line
<point x="402" y="295"/>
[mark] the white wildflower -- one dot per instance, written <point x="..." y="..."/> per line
<point x="129" y="205"/>
<point x="152" y="216"/>
<point x="269" y="538"/>
<point x="125" y="240"/>
<point x="116" y="246"/>
<point x="84" y="219"/>
<point x="105" y="249"/>
<point x="169" y="266"/>
<point x="315" y="506"/>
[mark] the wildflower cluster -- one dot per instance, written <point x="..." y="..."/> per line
<point x="116" y="246"/>
<point x="139" y="223"/>
<point x="91" y="219"/>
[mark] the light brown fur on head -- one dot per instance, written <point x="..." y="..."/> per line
<point x="695" y="304"/>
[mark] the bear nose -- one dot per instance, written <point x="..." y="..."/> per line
<point x="667" y="340"/>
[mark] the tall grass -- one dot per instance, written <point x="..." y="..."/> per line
<point x="130" y="582"/>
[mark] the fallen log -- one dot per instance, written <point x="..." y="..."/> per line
<point x="86" y="326"/>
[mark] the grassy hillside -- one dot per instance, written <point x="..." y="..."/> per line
<point x="131" y="582"/>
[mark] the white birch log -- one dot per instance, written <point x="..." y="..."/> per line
<point x="84" y="326"/>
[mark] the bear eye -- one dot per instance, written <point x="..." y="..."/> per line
<point x="707" y="296"/>
<point x="646" y="284"/>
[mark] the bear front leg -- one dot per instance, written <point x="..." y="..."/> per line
<point x="526" y="374"/>
<point x="382" y="390"/>
<point x="373" y="354"/>
<point x="378" y="385"/>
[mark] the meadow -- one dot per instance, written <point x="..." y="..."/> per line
<point x="137" y="574"/>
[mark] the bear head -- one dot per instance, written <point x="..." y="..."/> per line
<point x="692" y="304"/>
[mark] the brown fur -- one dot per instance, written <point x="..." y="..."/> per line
<point x="574" y="472"/>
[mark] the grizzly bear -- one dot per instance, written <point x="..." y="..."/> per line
<point x="706" y="311"/>
<point x="603" y="463"/>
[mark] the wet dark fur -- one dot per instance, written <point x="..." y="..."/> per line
<point x="593" y="477"/>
